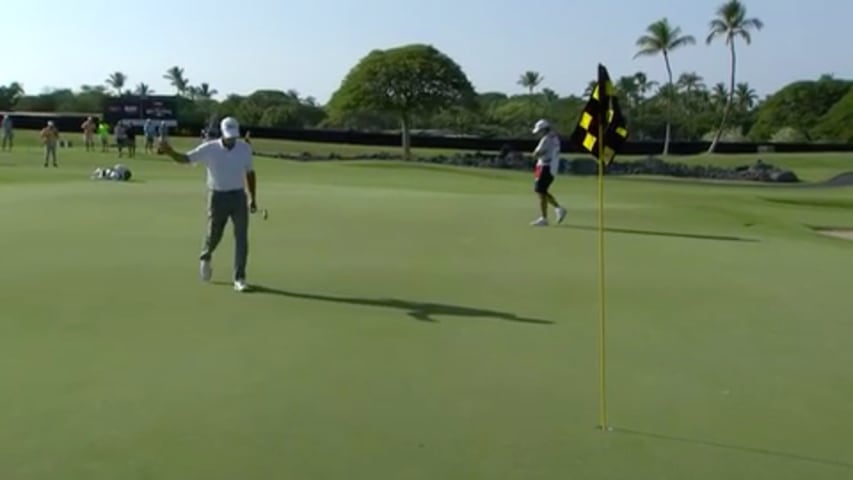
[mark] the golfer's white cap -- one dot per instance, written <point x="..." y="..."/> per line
<point x="541" y="125"/>
<point x="230" y="127"/>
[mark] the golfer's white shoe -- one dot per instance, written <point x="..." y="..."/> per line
<point x="561" y="214"/>
<point x="205" y="271"/>
<point x="540" y="222"/>
<point x="240" y="286"/>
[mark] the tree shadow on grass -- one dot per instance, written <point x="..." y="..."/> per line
<point x="422" y="311"/>
<point x="692" y="236"/>
<point x="738" y="448"/>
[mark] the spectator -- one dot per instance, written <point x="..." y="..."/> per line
<point x="131" y="141"/>
<point x="50" y="137"/>
<point x="88" y="128"/>
<point x="8" y="132"/>
<point x="104" y="133"/>
<point x="150" y="132"/>
<point x="163" y="131"/>
<point x="121" y="137"/>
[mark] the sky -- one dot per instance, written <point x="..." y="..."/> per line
<point x="309" y="46"/>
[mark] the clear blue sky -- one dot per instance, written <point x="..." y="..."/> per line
<point x="309" y="46"/>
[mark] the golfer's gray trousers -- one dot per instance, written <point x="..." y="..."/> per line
<point x="220" y="207"/>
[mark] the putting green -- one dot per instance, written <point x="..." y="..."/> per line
<point x="410" y="325"/>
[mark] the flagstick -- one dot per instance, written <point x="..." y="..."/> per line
<point x="602" y="288"/>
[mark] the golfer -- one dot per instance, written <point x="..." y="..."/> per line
<point x="229" y="171"/>
<point x="547" y="155"/>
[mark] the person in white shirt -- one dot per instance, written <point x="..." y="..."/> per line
<point x="230" y="171"/>
<point x="163" y="131"/>
<point x="547" y="155"/>
<point x="149" y="130"/>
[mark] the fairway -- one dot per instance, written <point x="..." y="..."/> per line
<point x="408" y="324"/>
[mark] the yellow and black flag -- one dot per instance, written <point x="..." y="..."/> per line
<point x="603" y="105"/>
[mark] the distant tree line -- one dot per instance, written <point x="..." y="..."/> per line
<point x="416" y="87"/>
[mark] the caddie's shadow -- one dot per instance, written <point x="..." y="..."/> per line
<point x="422" y="311"/>
<point x="653" y="233"/>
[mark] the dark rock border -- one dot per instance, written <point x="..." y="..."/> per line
<point x="511" y="160"/>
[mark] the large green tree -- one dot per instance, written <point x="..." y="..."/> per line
<point x="837" y="124"/>
<point x="730" y="24"/>
<point x="661" y="38"/>
<point x="405" y="81"/>
<point x="10" y="95"/>
<point x="798" y="106"/>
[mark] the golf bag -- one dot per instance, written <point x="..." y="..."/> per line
<point x="118" y="173"/>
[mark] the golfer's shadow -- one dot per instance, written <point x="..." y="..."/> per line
<point x="423" y="311"/>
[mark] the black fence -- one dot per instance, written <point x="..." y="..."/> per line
<point x="71" y="123"/>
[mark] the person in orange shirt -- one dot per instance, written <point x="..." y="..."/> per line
<point x="88" y="128"/>
<point x="50" y="138"/>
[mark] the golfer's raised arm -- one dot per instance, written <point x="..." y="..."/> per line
<point x="195" y="155"/>
<point x="166" y="149"/>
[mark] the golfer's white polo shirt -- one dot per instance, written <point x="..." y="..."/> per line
<point x="548" y="153"/>
<point x="226" y="169"/>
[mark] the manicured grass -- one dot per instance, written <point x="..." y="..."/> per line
<point x="728" y="328"/>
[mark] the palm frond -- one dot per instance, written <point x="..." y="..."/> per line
<point x="648" y="52"/>
<point x="682" y="42"/>
<point x="648" y="42"/>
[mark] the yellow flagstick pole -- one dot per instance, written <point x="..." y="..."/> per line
<point x="602" y="287"/>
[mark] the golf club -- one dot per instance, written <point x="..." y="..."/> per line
<point x="263" y="211"/>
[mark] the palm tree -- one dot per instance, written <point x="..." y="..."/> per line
<point x="550" y="95"/>
<point x="661" y="39"/>
<point x="746" y="96"/>
<point x="191" y="92"/>
<point x="530" y="80"/>
<point x="731" y="23"/>
<point x="175" y="76"/>
<point x="15" y="90"/>
<point x="117" y="80"/>
<point x="204" y="91"/>
<point x="690" y="82"/>
<point x="719" y="94"/>
<point x="627" y="88"/>
<point x="644" y="85"/>
<point x="143" y="90"/>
